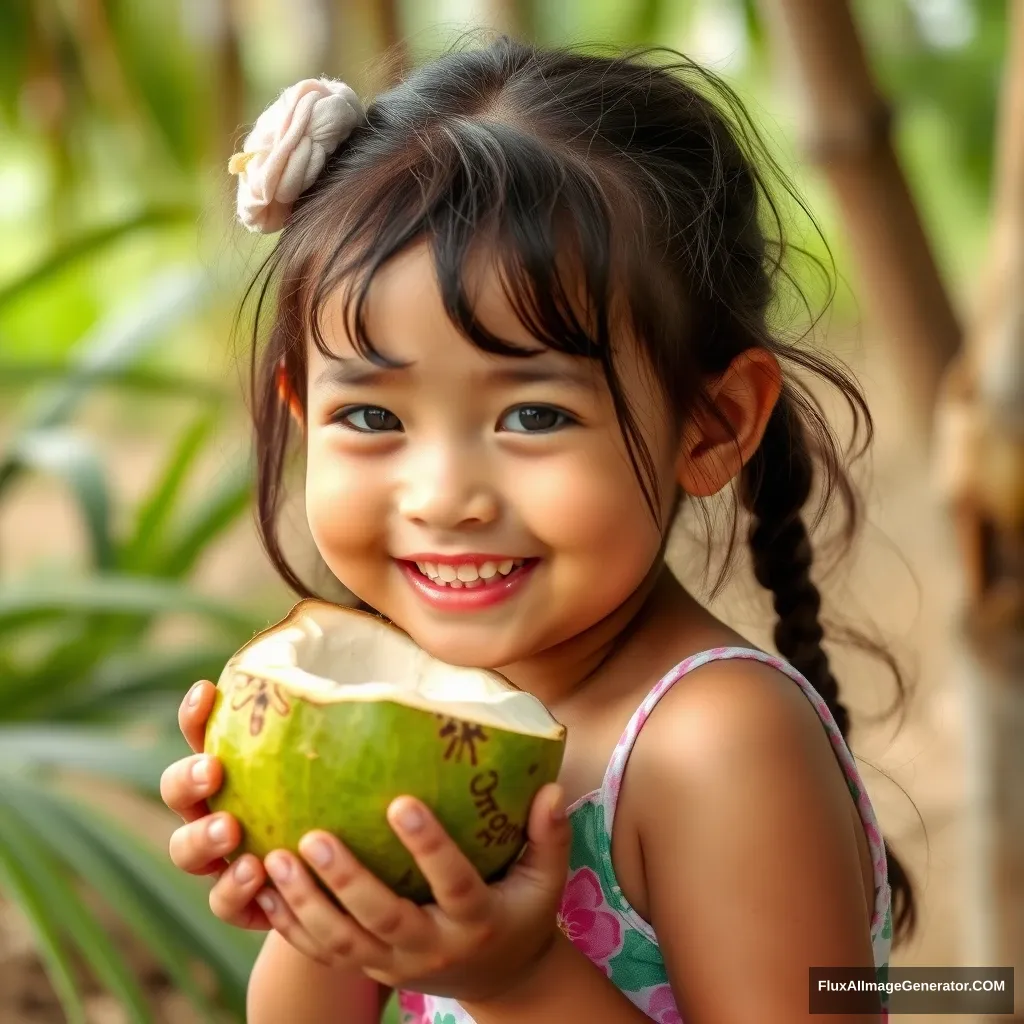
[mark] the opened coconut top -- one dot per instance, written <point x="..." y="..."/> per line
<point x="328" y="653"/>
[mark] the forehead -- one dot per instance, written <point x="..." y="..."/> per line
<point x="410" y="330"/>
<point x="406" y="321"/>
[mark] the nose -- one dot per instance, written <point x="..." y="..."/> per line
<point x="447" y="488"/>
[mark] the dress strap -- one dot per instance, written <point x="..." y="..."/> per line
<point x="609" y="795"/>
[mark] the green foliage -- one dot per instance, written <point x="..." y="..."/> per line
<point x="79" y="662"/>
<point x="111" y="117"/>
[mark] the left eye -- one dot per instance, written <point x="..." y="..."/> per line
<point x="369" y="419"/>
<point x="535" y="419"/>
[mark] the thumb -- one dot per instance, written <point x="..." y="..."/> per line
<point x="545" y="860"/>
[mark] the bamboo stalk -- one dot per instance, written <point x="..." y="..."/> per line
<point x="981" y="473"/>
<point x="392" y="38"/>
<point x="227" y="57"/>
<point x="847" y="133"/>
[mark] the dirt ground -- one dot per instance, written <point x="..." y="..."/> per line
<point x="903" y="578"/>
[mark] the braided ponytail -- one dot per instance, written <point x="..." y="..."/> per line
<point x="775" y="485"/>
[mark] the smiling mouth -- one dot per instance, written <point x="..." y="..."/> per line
<point x="469" y="577"/>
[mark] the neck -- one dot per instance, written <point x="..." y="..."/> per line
<point x="556" y="674"/>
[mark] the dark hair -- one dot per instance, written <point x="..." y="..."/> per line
<point x="625" y="162"/>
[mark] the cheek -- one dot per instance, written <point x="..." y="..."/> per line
<point x="592" y="510"/>
<point x="343" y="505"/>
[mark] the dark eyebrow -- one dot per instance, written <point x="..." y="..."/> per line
<point x="360" y="371"/>
<point x="540" y="374"/>
<point x="354" y="371"/>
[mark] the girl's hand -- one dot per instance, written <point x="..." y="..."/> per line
<point x="200" y="846"/>
<point x="475" y="943"/>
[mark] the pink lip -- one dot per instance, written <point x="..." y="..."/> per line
<point x="463" y="600"/>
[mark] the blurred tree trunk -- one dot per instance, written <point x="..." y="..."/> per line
<point x="391" y="36"/>
<point x="513" y="17"/>
<point x="229" y="124"/>
<point x="847" y="132"/>
<point x="982" y="472"/>
<point x="980" y="422"/>
<point x="367" y="27"/>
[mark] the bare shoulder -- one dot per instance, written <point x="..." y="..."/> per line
<point x="749" y="842"/>
<point x="740" y="736"/>
<point x="728" y="719"/>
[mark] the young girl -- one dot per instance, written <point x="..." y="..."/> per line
<point x="520" y="316"/>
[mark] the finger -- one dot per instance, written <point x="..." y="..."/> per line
<point x="233" y="898"/>
<point x="283" y="920"/>
<point x="194" y="711"/>
<point x="185" y="785"/>
<point x="545" y="861"/>
<point x="459" y="890"/>
<point x="335" y="933"/>
<point x="200" y="846"/>
<point x="372" y="905"/>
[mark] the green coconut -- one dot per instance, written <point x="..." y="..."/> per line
<point x="322" y="720"/>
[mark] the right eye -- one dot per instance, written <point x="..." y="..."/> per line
<point x="368" y="419"/>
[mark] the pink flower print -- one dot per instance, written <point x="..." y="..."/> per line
<point x="874" y="839"/>
<point x="413" y="1007"/>
<point x="584" y="918"/>
<point x="662" y="1006"/>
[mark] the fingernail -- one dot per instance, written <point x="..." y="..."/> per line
<point x="194" y="695"/>
<point x="267" y="900"/>
<point x="410" y="818"/>
<point x="244" y="872"/>
<point x="280" y="868"/>
<point x="217" y="830"/>
<point x="319" y="852"/>
<point x="201" y="771"/>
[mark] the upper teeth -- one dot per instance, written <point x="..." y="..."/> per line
<point x="467" y="575"/>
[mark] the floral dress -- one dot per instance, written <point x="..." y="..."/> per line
<point x="596" y="916"/>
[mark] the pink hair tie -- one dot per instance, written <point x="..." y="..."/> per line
<point x="288" y="147"/>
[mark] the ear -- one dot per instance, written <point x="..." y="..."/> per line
<point x="714" y="448"/>
<point x="286" y="393"/>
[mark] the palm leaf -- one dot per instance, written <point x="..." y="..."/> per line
<point x="62" y="831"/>
<point x="60" y="902"/>
<point x="170" y="298"/>
<point x="150" y="680"/>
<point x="18" y="883"/>
<point x="229" y="952"/>
<point x="34" y="600"/>
<point x="227" y="498"/>
<point x="88" y="749"/>
<point x="130" y="378"/>
<point x="71" y="457"/>
<point x="89" y="244"/>
<point x="168" y="76"/>
<point x="159" y="506"/>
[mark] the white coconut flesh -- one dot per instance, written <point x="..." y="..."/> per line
<point x="327" y="654"/>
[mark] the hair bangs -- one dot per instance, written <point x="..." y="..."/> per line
<point x="482" y="195"/>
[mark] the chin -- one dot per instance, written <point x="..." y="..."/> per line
<point x="459" y="647"/>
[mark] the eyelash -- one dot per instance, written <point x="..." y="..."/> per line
<point x="342" y="415"/>
<point x="565" y="419"/>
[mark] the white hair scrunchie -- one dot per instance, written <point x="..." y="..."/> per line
<point x="288" y="147"/>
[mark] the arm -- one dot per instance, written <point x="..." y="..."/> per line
<point x="564" y="986"/>
<point x="286" y="985"/>
<point x="752" y="878"/>
<point x="755" y="875"/>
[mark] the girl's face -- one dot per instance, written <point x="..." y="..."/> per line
<point x="509" y="476"/>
